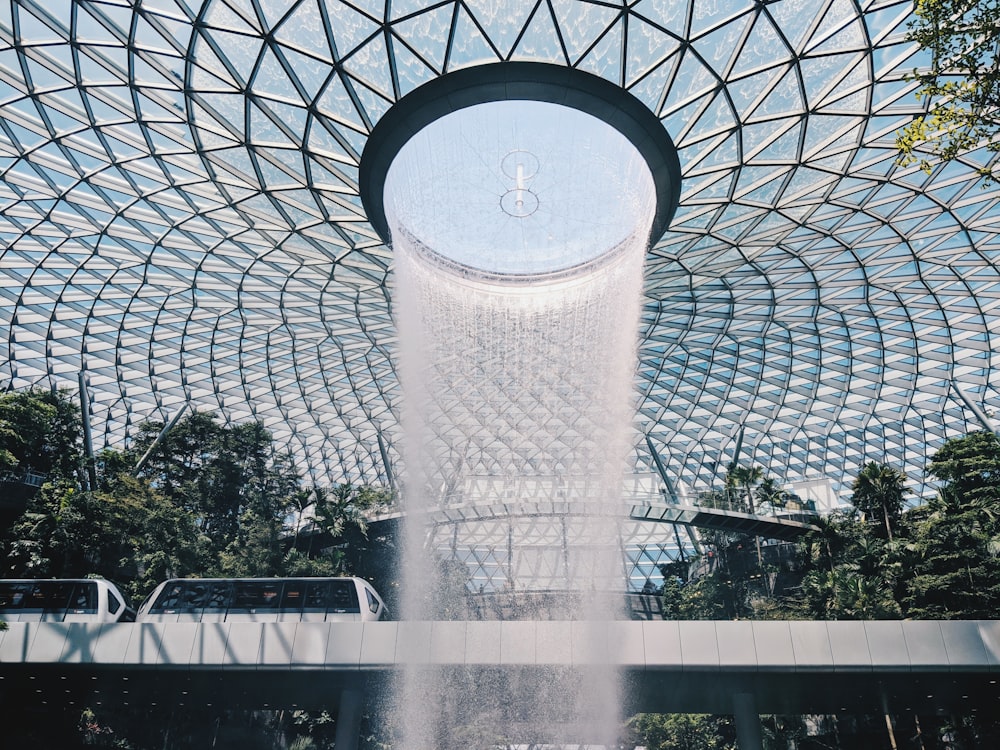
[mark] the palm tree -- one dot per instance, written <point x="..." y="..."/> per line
<point x="770" y="492"/>
<point x="741" y="477"/>
<point x="880" y="489"/>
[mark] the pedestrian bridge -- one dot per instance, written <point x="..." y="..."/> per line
<point x="788" y="667"/>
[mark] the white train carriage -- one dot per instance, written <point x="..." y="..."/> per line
<point x="63" y="600"/>
<point x="262" y="600"/>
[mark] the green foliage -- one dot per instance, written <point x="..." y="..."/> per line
<point x="879" y="493"/>
<point x="687" y="731"/>
<point x="347" y="507"/>
<point x="213" y="499"/>
<point x="40" y="432"/>
<point x="232" y="483"/>
<point x="740" y="482"/>
<point x="126" y="531"/>
<point x="954" y="551"/>
<point x="961" y="86"/>
<point x="710" y="597"/>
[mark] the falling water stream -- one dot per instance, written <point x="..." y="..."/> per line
<point x="519" y="232"/>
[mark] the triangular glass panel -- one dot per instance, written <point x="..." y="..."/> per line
<point x="647" y="48"/>
<point x="337" y="104"/>
<point x="272" y="81"/>
<point x="717" y="117"/>
<point x="723" y="153"/>
<point x="38" y="31"/>
<point x="427" y="33"/>
<point x="374" y="104"/>
<point x="784" y="149"/>
<point x="292" y="118"/>
<point x="890" y="93"/>
<point x="651" y="89"/>
<point x="784" y="99"/>
<point x="411" y="71"/>
<point x="264" y="129"/>
<point x="856" y="81"/>
<point x="468" y="45"/>
<point x="502" y="22"/>
<point x="719" y="47"/>
<point x="323" y="179"/>
<point x="322" y="142"/>
<point x="310" y="72"/>
<point x="795" y="18"/>
<point x="692" y="80"/>
<point x="304" y="30"/>
<point x="605" y="59"/>
<point x="351" y="30"/>
<point x="668" y="14"/>
<point x="239" y="50"/>
<point x="763" y="48"/>
<point x="540" y="41"/>
<point x="220" y="15"/>
<point x="275" y="10"/>
<point x="837" y="17"/>
<point x="850" y="39"/>
<point x="706" y="17"/>
<point x="370" y="64"/>
<point x="228" y="109"/>
<point x="882" y="22"/>
<point x="581" y="24"/>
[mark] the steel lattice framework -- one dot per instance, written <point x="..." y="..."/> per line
<point x="179" y="218"/>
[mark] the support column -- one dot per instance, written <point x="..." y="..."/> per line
<point x="349" y="720"/>
<point x="747" y="722"/>
<point x="88" y="440"/>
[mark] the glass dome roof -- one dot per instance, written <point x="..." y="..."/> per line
<point x="180" y="219"/>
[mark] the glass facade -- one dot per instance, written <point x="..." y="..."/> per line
<point x="180" y="219"/>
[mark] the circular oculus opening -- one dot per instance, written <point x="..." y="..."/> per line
<point x="519" y="188"/>
<point x="519" y="170"/>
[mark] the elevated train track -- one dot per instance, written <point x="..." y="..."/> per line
<point x="788" y="667"/>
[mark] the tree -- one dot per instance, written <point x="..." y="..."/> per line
<point x="233" y="482"/>
<point x="347" y="506"/>
<point x="954" y="550"/>
<point x="961" y="86"/>
<point x="687" y="731"/>
<point x="770" y="493"/>
<point x="879" y="493"/>
<point x="125" y="531"/>
<point x="743" y="479"/>
<point x="40" y="431"/>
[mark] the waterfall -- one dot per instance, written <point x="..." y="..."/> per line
<point x="519" y="232"/>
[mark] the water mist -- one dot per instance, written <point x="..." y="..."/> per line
<point x="519" y="231"/>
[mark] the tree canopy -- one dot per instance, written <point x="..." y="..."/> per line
<point x="961" y="84"/>
<point x="212" y="500"/>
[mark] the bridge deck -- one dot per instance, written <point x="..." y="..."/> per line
<point x="791" y="667"/>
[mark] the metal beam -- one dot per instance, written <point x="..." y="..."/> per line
<point x="159" y="439"/>
<point x="972" y="406"/>
<point x="88" y="438"/>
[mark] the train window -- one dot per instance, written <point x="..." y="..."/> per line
<point x="14" y="595"/>
<point x="317" y="596"/>
<point x="49" y="596"/>
<point x="293" y="598"/>
<point x="83" y="600"/>
<point x="372" y="601"/>
<point x="169" y="599"/>
<point x="256" y="595"/>
<point x="191" y="596"/>
<point x="217" y="595"/>
<point x="343" y="597"/>
<point x="113" y="604"/>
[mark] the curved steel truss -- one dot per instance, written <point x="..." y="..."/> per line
<point x="179" y="218"/>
